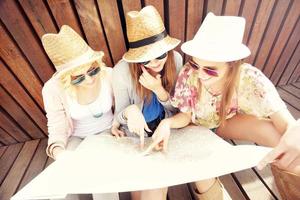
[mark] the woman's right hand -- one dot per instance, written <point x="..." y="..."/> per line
<point x="160" y="137"/>
<point x="136" y="122"/>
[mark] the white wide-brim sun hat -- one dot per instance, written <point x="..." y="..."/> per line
<point x="218" y="39"/>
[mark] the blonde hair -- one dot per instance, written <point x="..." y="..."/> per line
<point x="65" y="78"/>
<point x="168" y="77"/>
<point x="231" y="83"/>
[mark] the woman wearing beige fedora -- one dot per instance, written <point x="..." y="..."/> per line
<point x="143" y="80"/>
<point x="78" y="98"/>
<point x="217" y="90"/>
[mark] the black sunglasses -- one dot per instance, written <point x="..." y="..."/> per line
<point x="81" y="77"/>
<point x="158" y="58"/>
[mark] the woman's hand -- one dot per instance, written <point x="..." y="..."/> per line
<point x="287" y="151"/>
<point x="160" y="137"/>
<point x="148" y="81"/>
<point x="136" y="122"/>
<point x="115" y="131"/>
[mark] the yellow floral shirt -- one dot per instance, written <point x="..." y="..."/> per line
<point x="255" y="95"/>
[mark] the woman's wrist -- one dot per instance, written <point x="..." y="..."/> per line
<point x="161" y="94"/>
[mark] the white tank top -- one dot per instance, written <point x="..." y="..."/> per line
<point x="95" y="117"/>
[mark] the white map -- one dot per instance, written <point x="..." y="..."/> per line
<point x="104" y="164"/>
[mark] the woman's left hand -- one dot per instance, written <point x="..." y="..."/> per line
<point x="287" y="151"/>
<point x="150" y="82"/>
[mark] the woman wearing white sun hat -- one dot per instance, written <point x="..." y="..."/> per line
<point x="144" y="79"/>
<point x="216" y="89"/>
<point x="78" y="98"/>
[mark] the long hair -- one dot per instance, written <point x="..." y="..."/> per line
<point x="168" y="76"/>
<point x="231" y="83"/>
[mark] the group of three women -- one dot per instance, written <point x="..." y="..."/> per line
<point x="149" y="92"/>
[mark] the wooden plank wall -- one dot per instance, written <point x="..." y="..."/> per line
<point x="272" y="33"/>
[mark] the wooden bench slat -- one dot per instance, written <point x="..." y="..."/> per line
<point x="6" y="138"/>
<point x="291" y="99"/>
<point x="296" y="84"/>
<point x="36" y="165"/>
<point x="10" y="105"/>
<point x="13" y="178"/>
<point x="232" y="188"/>
<point x="179" y="192"/>
<point x="265" y="174"/>
<point x="2" y="150"/>
<point x="293" y="90"/>
<point x="11" y="127"/>
<point x="8" y="158"/>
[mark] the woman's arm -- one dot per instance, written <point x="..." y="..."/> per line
<point x="162" y="132"/>
<point x="282" y="120"/>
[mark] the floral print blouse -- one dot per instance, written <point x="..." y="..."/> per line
<point x="255" y="95"/>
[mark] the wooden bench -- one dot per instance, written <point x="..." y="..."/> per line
<point x="21" y="162"/>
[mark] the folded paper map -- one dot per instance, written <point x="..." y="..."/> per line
<point x="105" y="164"/>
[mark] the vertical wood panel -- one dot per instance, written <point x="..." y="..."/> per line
<point x="259" y="28"/>
<point x="19" y="115"/>
<point x="14" y="59"/>
<point x="215" y="6"/>
<point x="64" y="14"/>
<point x="20" y="95"/>
<point x="31" y="47"/>
<point x="286" y="55"/>
<point x="113" y="29"/>
<point x="232" y="7"/>
<point x="194" y="17"/>
<point x="293" y="16"/>
<point x="39" y="16"/>
<point x="271" y="33"/>
<point x="177" y="21"/>
<point x="91" y="24"/>
<point x="249" y="10"/>
<point x="130" y="5"/>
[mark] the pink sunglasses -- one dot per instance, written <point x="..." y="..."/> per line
<point x="208" y="70"/>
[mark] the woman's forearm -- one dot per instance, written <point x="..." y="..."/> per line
<point x="179" y="120"/>
<point x="282" y="120"/>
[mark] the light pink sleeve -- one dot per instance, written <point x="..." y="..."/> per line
<point x="57" y="121"/>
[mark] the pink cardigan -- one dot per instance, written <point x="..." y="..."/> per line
<point x="60" y="126"/>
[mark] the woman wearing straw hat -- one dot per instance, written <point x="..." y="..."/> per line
<point x="78" y="98"/>
<point x="216" y="89"/>
<point x="143" y="80"/>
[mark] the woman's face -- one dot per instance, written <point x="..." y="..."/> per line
<point x="87" y="77"/>
<point x="210" y="72"/>
<point x="157" y="65"/>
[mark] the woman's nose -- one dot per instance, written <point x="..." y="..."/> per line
<point x="88" y="79"/>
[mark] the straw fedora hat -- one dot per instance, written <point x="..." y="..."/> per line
<point x="147" y="36"/>
<point x="218" y="39"/>
<point x="67" y="50"/>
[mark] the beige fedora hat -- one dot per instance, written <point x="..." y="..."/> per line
<point x="218" y="39"/>
<point x="147" y="36"/>
<point x="67" y="50"/>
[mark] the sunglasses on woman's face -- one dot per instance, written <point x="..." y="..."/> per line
<point x="158" y="58"/>
<point x="211" y="71"/>
<point x="76" y="80"/>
